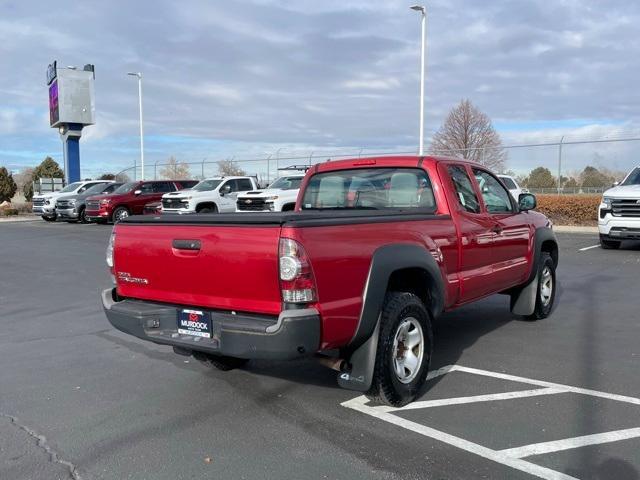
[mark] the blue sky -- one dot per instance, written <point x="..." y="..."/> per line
<point x="249" y="79"/>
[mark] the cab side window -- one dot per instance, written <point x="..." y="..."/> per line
<point x="464" y="189"/>
<point x="496" y="198"/>
<point x="244" y="185"/>
<point x="162" y="187"/>
<point x="146" y="188"/>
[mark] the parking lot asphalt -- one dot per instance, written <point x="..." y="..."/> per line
<point x="80" y="400"/>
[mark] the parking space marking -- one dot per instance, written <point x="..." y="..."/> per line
<point x="358" y="404"/>
<point x="477" y="398"/>
<point x="512" y="457"/>
<point x="569" y="443"/>
<point x="588" y="248"/>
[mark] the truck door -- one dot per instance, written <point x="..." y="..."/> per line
<point x="227" y="202"/>
<point x="474" y="229"/>
<point x="511" y="232"/>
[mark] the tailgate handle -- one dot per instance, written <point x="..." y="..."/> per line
<point x="186" y="244"/>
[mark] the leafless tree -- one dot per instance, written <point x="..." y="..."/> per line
<point x="468" y="133"/>
<point x="175" y="170"/>
<point x="229" y="169"/>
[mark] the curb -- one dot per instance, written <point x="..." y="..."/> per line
<point x="18" y="219"/>
<point x="574" y="229"/>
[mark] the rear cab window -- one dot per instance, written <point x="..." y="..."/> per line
<point x="370" y="189"/>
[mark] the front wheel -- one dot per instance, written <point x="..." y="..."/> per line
<point x="82" y="216"/>
<point x="49" y="219"/>
<point x="609" y="244"/>
<point x="404" y="350"/>
<point x="120" y="214"/>
<point x="546" y="292"/>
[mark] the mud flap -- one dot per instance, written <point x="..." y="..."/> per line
<point x="523" y="302"/>
<point x="362" y="362"/>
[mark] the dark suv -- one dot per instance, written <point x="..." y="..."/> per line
<point x="130" y="199"/>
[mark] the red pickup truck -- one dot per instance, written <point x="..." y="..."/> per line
<point x="376" y="249"/>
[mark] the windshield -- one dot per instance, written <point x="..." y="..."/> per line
<point x="98" y="188"/>
<point x="71" y="187"/>
<point x="369" y="189"/>
<point x="633" y="178"/>
<point x="206" y="185"/>
<point x="126" y="188"/>
<point x="286" y="183"/>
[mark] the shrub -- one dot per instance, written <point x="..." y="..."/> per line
<point x="570" y="209"/>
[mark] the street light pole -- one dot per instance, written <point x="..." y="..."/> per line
<point x="139" y="75"/>
<point x="423" y="15"/>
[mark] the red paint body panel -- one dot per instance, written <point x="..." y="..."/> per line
<point x="237" y="267"/>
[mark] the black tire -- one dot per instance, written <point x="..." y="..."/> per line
<point x="388" y="386"/>
<point x="119" y="214"/>
<point x="50" y="219"/>
<point x="207" y="209"/>
<point x="606" y="244"/>
<point x="546" y="291"/>
<point x="220" y="362"/>
<point x="82" y="216"/>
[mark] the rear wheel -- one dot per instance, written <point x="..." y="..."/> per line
<point x="607" y="244"/>
<point x="404" y="350"/>
<point x="220" y="362"/>
<point x="120" y="214"/>
<point x="546" y="292"/>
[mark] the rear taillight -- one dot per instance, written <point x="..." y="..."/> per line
<point x="296" y="277"/>
<point x="112" y="240"/>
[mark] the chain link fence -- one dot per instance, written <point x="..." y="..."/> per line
<point x="565" y="158"/>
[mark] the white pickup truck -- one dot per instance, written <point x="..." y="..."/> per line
<point x="211" y="195"/>
<point x="619" y="212"/>
<point x="280" y="196"/>
<point x="44" y="204"/>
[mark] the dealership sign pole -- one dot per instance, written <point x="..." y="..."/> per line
<point x="71" y="108"/>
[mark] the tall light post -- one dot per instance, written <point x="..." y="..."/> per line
<point x="423" y="15"/>
<point x="139" y="75"/>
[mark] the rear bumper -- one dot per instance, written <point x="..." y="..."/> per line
<point x="293" y="334"/>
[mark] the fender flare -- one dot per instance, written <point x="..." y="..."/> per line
<point x="385" y="261"/>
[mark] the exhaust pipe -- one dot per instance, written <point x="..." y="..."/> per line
<point x="337" y="364"/>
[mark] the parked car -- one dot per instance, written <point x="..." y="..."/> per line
<point x="512" y="184"/>
<point x="129" y="199"/>
<point x="44" y="205"/>
<point x="619" y="212"/>
<point x="377" y="249"/>
<point x="72" y="207"/>
<point x="280" y="196"/>
<point x="212" y="195"/>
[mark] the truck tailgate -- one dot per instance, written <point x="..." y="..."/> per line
<point x="230" y="267"/>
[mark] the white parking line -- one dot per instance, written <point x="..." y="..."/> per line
<point x="475" y="399"/>
<point x="511" y="457"/>
<point x="358" y="404"/>
<point x="588" y="248"/>
<point x="569" y="443"/>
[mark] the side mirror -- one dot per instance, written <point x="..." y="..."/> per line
<point x="137" y="192"/>
<point x="615" y="184"/>
<point x="526" y="202"/>
<point x="225" y="190"/>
